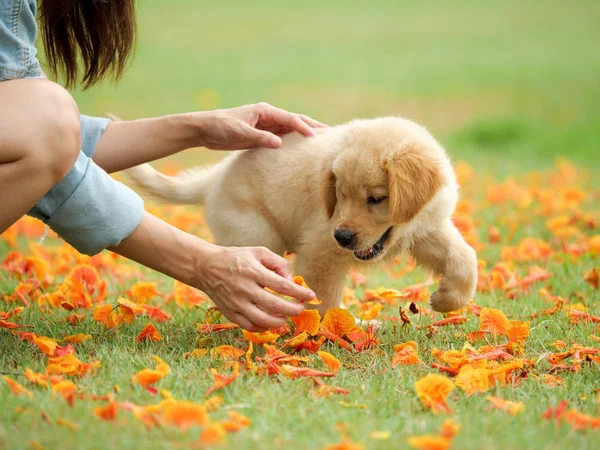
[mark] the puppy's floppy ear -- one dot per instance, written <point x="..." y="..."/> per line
<point x="328" y="192"/>
<point x="414" y="179"/>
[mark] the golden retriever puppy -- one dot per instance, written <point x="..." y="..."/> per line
<point x="359" y="193"/>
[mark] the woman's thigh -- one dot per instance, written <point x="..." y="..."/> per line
<point x="39" y="142"/>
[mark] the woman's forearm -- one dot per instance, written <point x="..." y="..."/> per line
<point x="164" y="248"/>
<point x="125" y="144"/>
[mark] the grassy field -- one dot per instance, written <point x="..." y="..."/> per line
<point x="508" y="87"/>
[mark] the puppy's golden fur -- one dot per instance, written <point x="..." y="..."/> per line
<point x="386" y="182"/>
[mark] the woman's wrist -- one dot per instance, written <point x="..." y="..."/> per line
<point x="191" y="129"/>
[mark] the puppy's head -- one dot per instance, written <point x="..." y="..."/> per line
<point x="391" y="182"/>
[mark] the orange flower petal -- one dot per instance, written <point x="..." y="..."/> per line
<point x="183" y="414"/>
<point x="433" y="389"/>
<point x="307" y="321"/>
<point x="16" y="388"/>
<point x="338" y="321"/>
<point x="149" y="333"/>
<point x="512" y="408"/>
<point x="108" y="412"/>
<point x="220" y="381"/>
<point x="227" y="352"/>
<point x="75" y="338"/>
<point x="45" y="344"/>
<point x="260" y="338"/>
<point x="214" y="434"/>
<point x="494" y="321"/>
<point x="330" y="361"/>
<point x="406" y="355"/>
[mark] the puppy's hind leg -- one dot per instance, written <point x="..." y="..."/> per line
<point x="233" y="228"/>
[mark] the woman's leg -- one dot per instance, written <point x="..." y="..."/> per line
<point x="39" y="143"/>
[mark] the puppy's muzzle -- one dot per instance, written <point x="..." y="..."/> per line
<point x="345" y="238"/>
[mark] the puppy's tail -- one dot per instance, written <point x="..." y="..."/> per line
<point x="189" y="186"/>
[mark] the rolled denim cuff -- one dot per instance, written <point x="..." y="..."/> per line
<point x="91" y="129"/>
<point x="99" y="214"/>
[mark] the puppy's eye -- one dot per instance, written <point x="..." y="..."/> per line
<point x="375" y="200"/>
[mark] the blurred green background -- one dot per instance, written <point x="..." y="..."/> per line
<point x="507" y="85"/>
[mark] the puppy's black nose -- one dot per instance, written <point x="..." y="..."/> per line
<point x="344" y="237"/>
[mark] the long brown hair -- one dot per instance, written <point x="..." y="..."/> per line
<point x="99" y="34"/>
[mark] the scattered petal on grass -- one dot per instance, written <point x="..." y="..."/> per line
<point x="143" y="292"/>
<point x="494" y="321"/>
<point x="330" y="361"/>
<point x="183" y="414"/>
<point x="76" y="338"/>
<point x="73" y="319"/>
<point x="227" y="352"/>
<point x="326" y="390"/>
<point x="433" y="390"/>
<point x="338" y="321"/>
<point x="512" y="408"/>
<point x="346" y="443"/>
<point x="66" y="389"/>
<point x="149" y="333"/>
<point x="297" y="372"/>
<point x="406" y="354"/>
<point x="473" y="379"/>
<point x="70" y="365"/>
<point x="213" y="403"/>
<point x="147" y="377"/>
<point x="593" y="277"/>
<point x="107" y="412"/>
<point x="208" y="328"/>
<point x="214" y="434"/>
<point x="67" y="424"/>
<point x="260" y="338"/>
<point x="45" y="344"/>
<point x="16" y="388"/>
<point x="552" y="380"/>
<point x="236" y="422"/>
<point x="441" y="442"/>
<point x="454" y="320"/>
<point x="429" y="442"/>
<point x="307" y="321"/>
<point x="220" y="381"/>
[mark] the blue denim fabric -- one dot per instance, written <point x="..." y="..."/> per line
<point x="88" y="209"/>
<point x="18" y="31"/>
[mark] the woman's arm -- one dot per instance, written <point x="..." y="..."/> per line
<point x="234" y="278"/>
<point x="125" y="144"/>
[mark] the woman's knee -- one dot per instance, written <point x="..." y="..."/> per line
<point x="60" y="128"/>
<point x="43" y="120"/>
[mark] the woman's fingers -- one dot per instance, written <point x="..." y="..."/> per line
<point x="279" y="280"/>
<point x="262" y="319"/>
<point x="287" y="119"/>
<point x="312" y="122"/>
<point x="246" y="323"/>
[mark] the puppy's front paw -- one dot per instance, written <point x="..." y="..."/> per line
<point x="446" y="300"/>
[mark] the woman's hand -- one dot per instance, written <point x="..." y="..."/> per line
<point x="234" y="278"/>
<point x="258" y="125"/>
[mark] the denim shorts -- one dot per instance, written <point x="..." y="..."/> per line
<point x="88" y="209"/>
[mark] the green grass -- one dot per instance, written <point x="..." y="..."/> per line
<point x="507" y="86"/>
